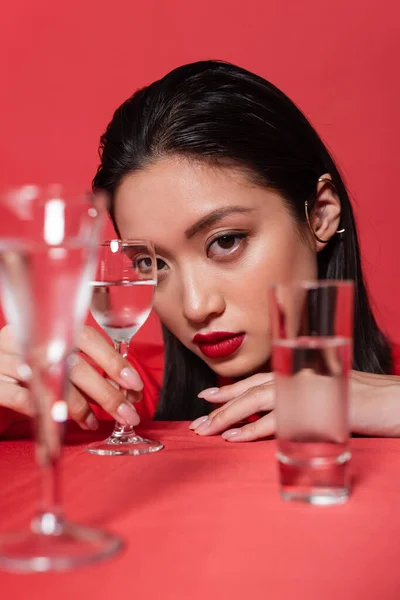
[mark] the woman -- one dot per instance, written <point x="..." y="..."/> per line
<point x="236" y="190"/>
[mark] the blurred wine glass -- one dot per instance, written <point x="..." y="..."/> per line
<point x="48" y="247"/>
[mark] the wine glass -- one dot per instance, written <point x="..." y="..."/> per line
<point x="48" y="247"/>
<point x="122" y="299"/>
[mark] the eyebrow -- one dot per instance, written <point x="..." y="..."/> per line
<point x="213" y="217"/>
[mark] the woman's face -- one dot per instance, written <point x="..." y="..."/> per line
<point x="220" y="242"/>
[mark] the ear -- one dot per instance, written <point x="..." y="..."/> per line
<point x="325" y="214"/>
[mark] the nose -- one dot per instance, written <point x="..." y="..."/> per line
<point x="202" y="299"/>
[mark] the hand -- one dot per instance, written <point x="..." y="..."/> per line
<point x="374" y="407"/>
<point x="240" y="400"/>
<point x="375" y="404"/>
<point x="86" y="380"/>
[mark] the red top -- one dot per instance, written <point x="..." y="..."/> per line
<point x="396" y="359"/>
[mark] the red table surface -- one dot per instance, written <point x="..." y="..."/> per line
<point x="203" y="519"/>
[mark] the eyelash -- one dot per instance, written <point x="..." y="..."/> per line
<point x="241" y="237"/>
<point x="138" y="262"/>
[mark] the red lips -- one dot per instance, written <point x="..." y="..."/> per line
<point x="218" y="344"/>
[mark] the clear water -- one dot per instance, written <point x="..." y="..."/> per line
<point x="312" y="417"/>
<point x="121" y="308"/>
<point x="45" y="296"/>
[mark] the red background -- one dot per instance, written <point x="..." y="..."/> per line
<point x="65" y="66"/>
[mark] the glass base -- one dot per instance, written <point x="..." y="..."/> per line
<point x="66" y="547"/>
<point x="322" y="497"/>
<point x="321" y="481"/>
<point x="123" y="444"/>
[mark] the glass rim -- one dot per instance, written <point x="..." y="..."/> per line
<point x="71" y="191"/>
<point x="18" y="244"/>
<point x="313" y="284"/>
<point x="126" y="241"/>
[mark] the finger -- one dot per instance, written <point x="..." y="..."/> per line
<point x="8" y="342"/>
<point x="113" y="400"/>
<point x="132" y="396"/>
<point x="255" y="400"/>
<point x="261" y="395"/>
<point x="118" y="368"/>
<point x="80" y="411"/>
<point x="262" y="428"/>
<point x="234" y="390"/>
<point x="9" y="379"/>
<point x="194" y="425"/>
<point x="18" y="398"/>
<point x="11" y="366"/>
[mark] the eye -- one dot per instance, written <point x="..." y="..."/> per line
<point x="143" y="265"/>
<point x="226" y="244"/>
<point x="161" y="265"/>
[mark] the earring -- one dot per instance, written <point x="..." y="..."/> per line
<point x="339" y="231"/>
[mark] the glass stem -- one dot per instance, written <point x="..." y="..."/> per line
<point x="119" y="430"/>
<point x="48" y="386"/>
<point x="122" y="348"/>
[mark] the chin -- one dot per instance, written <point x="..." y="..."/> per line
<point x="240" y="367"/>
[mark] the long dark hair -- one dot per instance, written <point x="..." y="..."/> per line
<point x="219" y="113"/>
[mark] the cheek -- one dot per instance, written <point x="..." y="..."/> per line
<point x="276" y="261"/>
<point x="288" y="259"/>
<point x="266" y="265"/>
<point x="168" y="309"/>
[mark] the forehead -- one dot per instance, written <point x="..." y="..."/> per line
<point x="171" y="194"/>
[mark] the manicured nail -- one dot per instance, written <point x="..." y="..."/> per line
<point x="208" y="392"/>
<point x="203" y="427"/>
<point x="131" y="380"/>
<point x="128" y="414"/>
<point x="197" y="422"/>
<point x="24" y="372"/>
<point x="91" y="422"/>
<point x="231" y="434"/>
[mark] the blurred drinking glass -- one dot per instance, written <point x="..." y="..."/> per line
<point x="312" y="330"/>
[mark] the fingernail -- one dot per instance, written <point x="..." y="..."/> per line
<point x="91" y="422"/>
<point x="208" y="392"/>
<point x="128" y="414"/>
<point x="197" y="422"/>
<point x="24" y="372"/>
<point x="204" y="426"/>
<point x="134" y="397"/>
<point x="131" y="380"/>
<point x="231" y="433"/>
